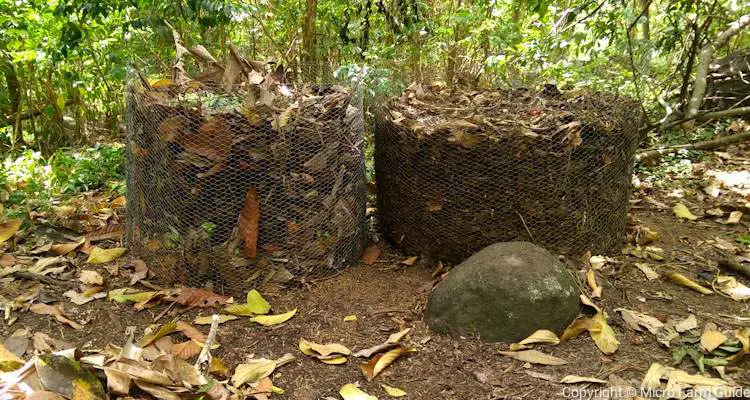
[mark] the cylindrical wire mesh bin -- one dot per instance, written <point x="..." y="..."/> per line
<point x="229" y="188"/>
<point x="459" y="171"/>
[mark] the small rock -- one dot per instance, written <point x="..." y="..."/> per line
<point x="504" y="292"/>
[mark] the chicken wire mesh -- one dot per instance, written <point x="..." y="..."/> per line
<point x="457" y="171"/>
<point x="230" y="187"/>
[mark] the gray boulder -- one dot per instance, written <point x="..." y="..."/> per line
<point x="503" y="293"/>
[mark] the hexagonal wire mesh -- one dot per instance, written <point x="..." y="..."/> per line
<point x="459" y="171"/>
<point x="231" y="188"/>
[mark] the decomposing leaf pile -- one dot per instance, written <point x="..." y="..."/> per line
<point x="458" y="171"/>
<point x="244" y="173"/>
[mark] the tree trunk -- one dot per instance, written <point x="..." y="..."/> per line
<point x="644" y="23"/>
<point x="309" y="54"/>
<point x="704" y="61"/>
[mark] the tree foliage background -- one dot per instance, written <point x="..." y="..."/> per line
<point x="64" y="63"/>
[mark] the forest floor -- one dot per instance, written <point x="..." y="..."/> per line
<point x="389" y="296"/>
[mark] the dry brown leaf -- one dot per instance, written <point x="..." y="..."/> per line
<point x="83" y="298"/>
<point x="65" y="248"/>
<point x="190" y="331"/>
<point x="686" y="324"/>
<point x="581" y="379"/>
<point x="367" y="353"/>
<point x="635" y="320"/>
<point x="55" y="311"/>
<point x="534" y="357"/>
<point x="140" y="271"/>
<point x="322" y="350"/>
<point x="734" y="217"/>
<point x="185" y="350"/>
<point x="248" y="224"/>
<point x="42" y="342"/>
<point x="90" y="277"/>
<point x="648" y="271"/>
<point x="370" y="254"/>
<point x="732" y="288"/>
<point x="191" y="297"/>
<point x="542" y="376"/>
<point x="381" y="361"/>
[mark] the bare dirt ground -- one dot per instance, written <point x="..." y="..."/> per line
<point x="389" y="296"/>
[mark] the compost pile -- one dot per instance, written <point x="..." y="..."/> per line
<point x="457" y="171"/>
<point x="243" y="175"/>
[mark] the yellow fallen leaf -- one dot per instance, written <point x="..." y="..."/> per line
<point x="351" y="392"/>
<point x="542" y="336"/>
<point x="396" y="337"/>
<point x="682" y="280"/>
<point x="658" y="372"/>
<point x="350" y="318"/>
<point x="208" y="319"/>
<point x="242" y="310"/>
<point x="534" y="357"/>
<point x="393" y="391"/>
<point x="681" y="211"/>
<point x="334" y="360"/>
<point x="711" y="339"/>
<point x="165" y="330"/>
<point x="652" y="379"/>
<point x="256" y="303"/>
<point x="9" y="361"/>
<point x="101" y="256"/>
<point x="596" y="290"/>
<point x="324" y="350"/>
<point x="121" y="296"/>
<point x="597" y="326"/>
<point x="218" y="367"/>
<point x="160" y="83"/>
<point x="269" y="320"/>
<point x="378" y="363"/>
<point x="8" y="229"/>
<point x="576" y="328"/>
<point x="253" y="371"/>
<point x="603" y="335"/>
<point x="410" y="261"/>
<point x="581" y="379"/>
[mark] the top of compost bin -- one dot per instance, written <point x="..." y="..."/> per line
<point x="434" y="110"/>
